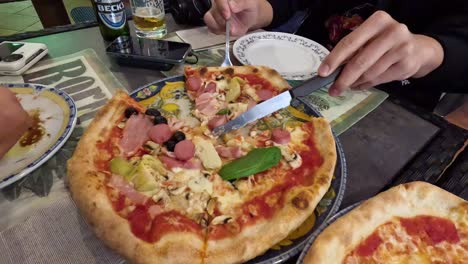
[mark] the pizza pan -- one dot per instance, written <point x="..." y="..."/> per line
<point x="319" y="230"/>
<point x="169" y="95"/>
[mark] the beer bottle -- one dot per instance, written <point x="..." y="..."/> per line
<point x="112" y="18"/>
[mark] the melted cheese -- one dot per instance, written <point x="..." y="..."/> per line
<point x="297" y="136"/>
<point x="251" y="92"/>
<point x="237" y="109"/>
<point x="228" y="200"/>
<point x="201" y="117"/>
<point x="200" y="184"/>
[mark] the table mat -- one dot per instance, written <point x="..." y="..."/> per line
<point x="90" y="83"/>
<point x="54" y="234"/>
<point x="443" y="161"/>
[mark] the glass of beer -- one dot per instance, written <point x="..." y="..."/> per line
<point x="148" y="17"/>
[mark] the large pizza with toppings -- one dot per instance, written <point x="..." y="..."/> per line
<point x="411" y="223"/>
<point x="161" y="189"/>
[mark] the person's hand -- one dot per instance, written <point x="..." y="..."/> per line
<point x="14" y="120"/>
<point x="381" y="50"/>
<point x="245" y="15"/>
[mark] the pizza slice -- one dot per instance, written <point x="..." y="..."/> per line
<point x="160" y="188"/>
<point x="410" y="223"/>
<point x="280" y="199"/>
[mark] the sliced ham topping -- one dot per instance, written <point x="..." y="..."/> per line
<point x="206" y="104"/>
<point x="229" y="152"/>
<point x="173" y="163"/>
<point x="201" y="90"/>
<point x="119" y="183"/>
<point x="193" y="164"/>
<point x="210" y="88"/>
<point x="265" y="94"/>
<point x="217" y="121"/>
<point x="184" y="150"/>
<point x="203" y="100"/>
<point x="160" y="133"/>
<point x="194" y="83"/>
<point x="280" y="136"/>
<point x="211" y="109"/>
<point x="135" y="133"/>
<point x="155" y="210"/>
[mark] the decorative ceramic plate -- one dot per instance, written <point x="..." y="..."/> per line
<point x="54" y="117"/>
<point x="169" y="95"/>
<point x="319" y="230"/>
<point x="294" y="57"/>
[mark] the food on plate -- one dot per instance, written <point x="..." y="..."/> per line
<point x="162" y="189"/>
<point x="411" y="223"/>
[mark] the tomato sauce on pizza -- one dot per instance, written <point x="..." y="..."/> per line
<point x="419" y="236"/>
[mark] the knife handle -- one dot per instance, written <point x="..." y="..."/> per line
<point x="319" y="82"/>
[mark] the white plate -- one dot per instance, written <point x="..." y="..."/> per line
<point x="57" y="114"/>
<point x="294" y="57"/>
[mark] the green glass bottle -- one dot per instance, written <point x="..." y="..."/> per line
<point x="112" y="18"/>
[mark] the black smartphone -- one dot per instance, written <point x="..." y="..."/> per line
<point x="146" y="51"/>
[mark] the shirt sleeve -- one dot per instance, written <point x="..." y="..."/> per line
<point x="452" y="33"/>
<point x="285" y="9"/>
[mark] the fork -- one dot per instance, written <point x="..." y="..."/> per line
<point x="227" y="60"/>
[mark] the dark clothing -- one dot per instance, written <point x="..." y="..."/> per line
<point x="445" y="21"/>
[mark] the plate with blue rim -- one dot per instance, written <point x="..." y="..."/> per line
<point x="169" y="96"/>
<point x="54" y="116"/>
<point x="319" y="230"/>
<point x="294" y="57"/>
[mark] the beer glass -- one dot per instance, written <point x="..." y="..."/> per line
<point x="148" y="17"/>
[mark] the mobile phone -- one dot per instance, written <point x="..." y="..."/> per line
<point x="17" y="57"/>
<point x="161" y="52"/>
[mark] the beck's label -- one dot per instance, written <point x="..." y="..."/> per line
<point x="111" y="13"/>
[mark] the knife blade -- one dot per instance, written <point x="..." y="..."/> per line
<point x="276" y="103"/>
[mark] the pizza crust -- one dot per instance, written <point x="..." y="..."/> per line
<point x="262" y="71"/>
<point x="89" y="193"/>
<point x="255" y="240"/>
<point x="406" y="200"/>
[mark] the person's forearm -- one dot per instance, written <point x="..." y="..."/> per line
<point x="265" y="16"/>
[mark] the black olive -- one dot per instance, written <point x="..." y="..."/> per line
<point x="178" y="136"/>
<point x="130" y="111"/>
<point x="170" y="145"/>
<point x="159" y="120"/>
<point x="152" y="112"/>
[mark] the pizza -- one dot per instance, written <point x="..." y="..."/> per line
<point x="411" y="223"/>
<point x="159" y="187"/>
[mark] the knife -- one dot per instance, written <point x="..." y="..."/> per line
<point x="276" y="103"/>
